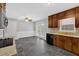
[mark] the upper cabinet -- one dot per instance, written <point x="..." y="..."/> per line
<point x="55" y="21"/>
<point x="52" y="21"/>
<point x="74" y="12"/>
<point x="77" y="18"/>
<point x="70" y="13"/>
<point x="61" y="15"/>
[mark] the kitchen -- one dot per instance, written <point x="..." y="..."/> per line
<point x="68" y="35"/>
<point x="30" y="28"/>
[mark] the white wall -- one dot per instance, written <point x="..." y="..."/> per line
<point x="25" y="29"/>
<point x="42" y="28"/>
<point x="21" y="29"/>
<point x="10" y="31"/>
<point x="18" y="29"/>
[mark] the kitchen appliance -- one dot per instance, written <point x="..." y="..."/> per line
<point x="49" y="38"/>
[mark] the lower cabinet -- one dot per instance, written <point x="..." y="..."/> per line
<point x="59" y="41"/>
<point x="68" y="43"/>
<point x="75" y="46"/>
<point x="55" y="40"/>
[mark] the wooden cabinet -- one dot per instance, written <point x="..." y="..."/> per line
<point x="68" y="43"/>
<point x="55" y="21"/>
<point x="61" y="15"/>
<point x="75" y="45"/>
<point x="55" y="40"/>
<point x="52" y="21"/>
<point x="77" y="18"/>
<point x="70" y="13"/>
<point x="59" y="41"/>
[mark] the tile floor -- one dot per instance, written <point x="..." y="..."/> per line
<point x="34" y="46"/>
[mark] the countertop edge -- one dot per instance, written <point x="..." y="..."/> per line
<point x="69" y="35"/>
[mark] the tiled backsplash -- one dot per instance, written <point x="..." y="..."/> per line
<point x="54" y="30"/>
<point x="57" y="30"/>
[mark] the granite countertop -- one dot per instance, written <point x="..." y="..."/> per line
<point x="76" y="35"/>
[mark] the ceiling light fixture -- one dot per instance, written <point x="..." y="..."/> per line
<point x="27" y="18"/>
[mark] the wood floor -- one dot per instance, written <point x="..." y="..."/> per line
<point x="34" y="46"/>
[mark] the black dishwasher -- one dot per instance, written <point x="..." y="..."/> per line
<point x="49" y="38"/>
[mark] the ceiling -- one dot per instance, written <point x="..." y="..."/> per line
<point x="37" y="11"/>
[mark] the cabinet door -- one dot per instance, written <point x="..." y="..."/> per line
<point x="75" y="46"/>
<point x="50" y="20"/>
<point x="61" y="15"/>
<point x="55" y="21"/>
<point x="55" y="40"/>
<point x="70" y="13"/>
<point x="59" y="41"/>
<point x="68" y="44"/>
<point x="77" y="18"/>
